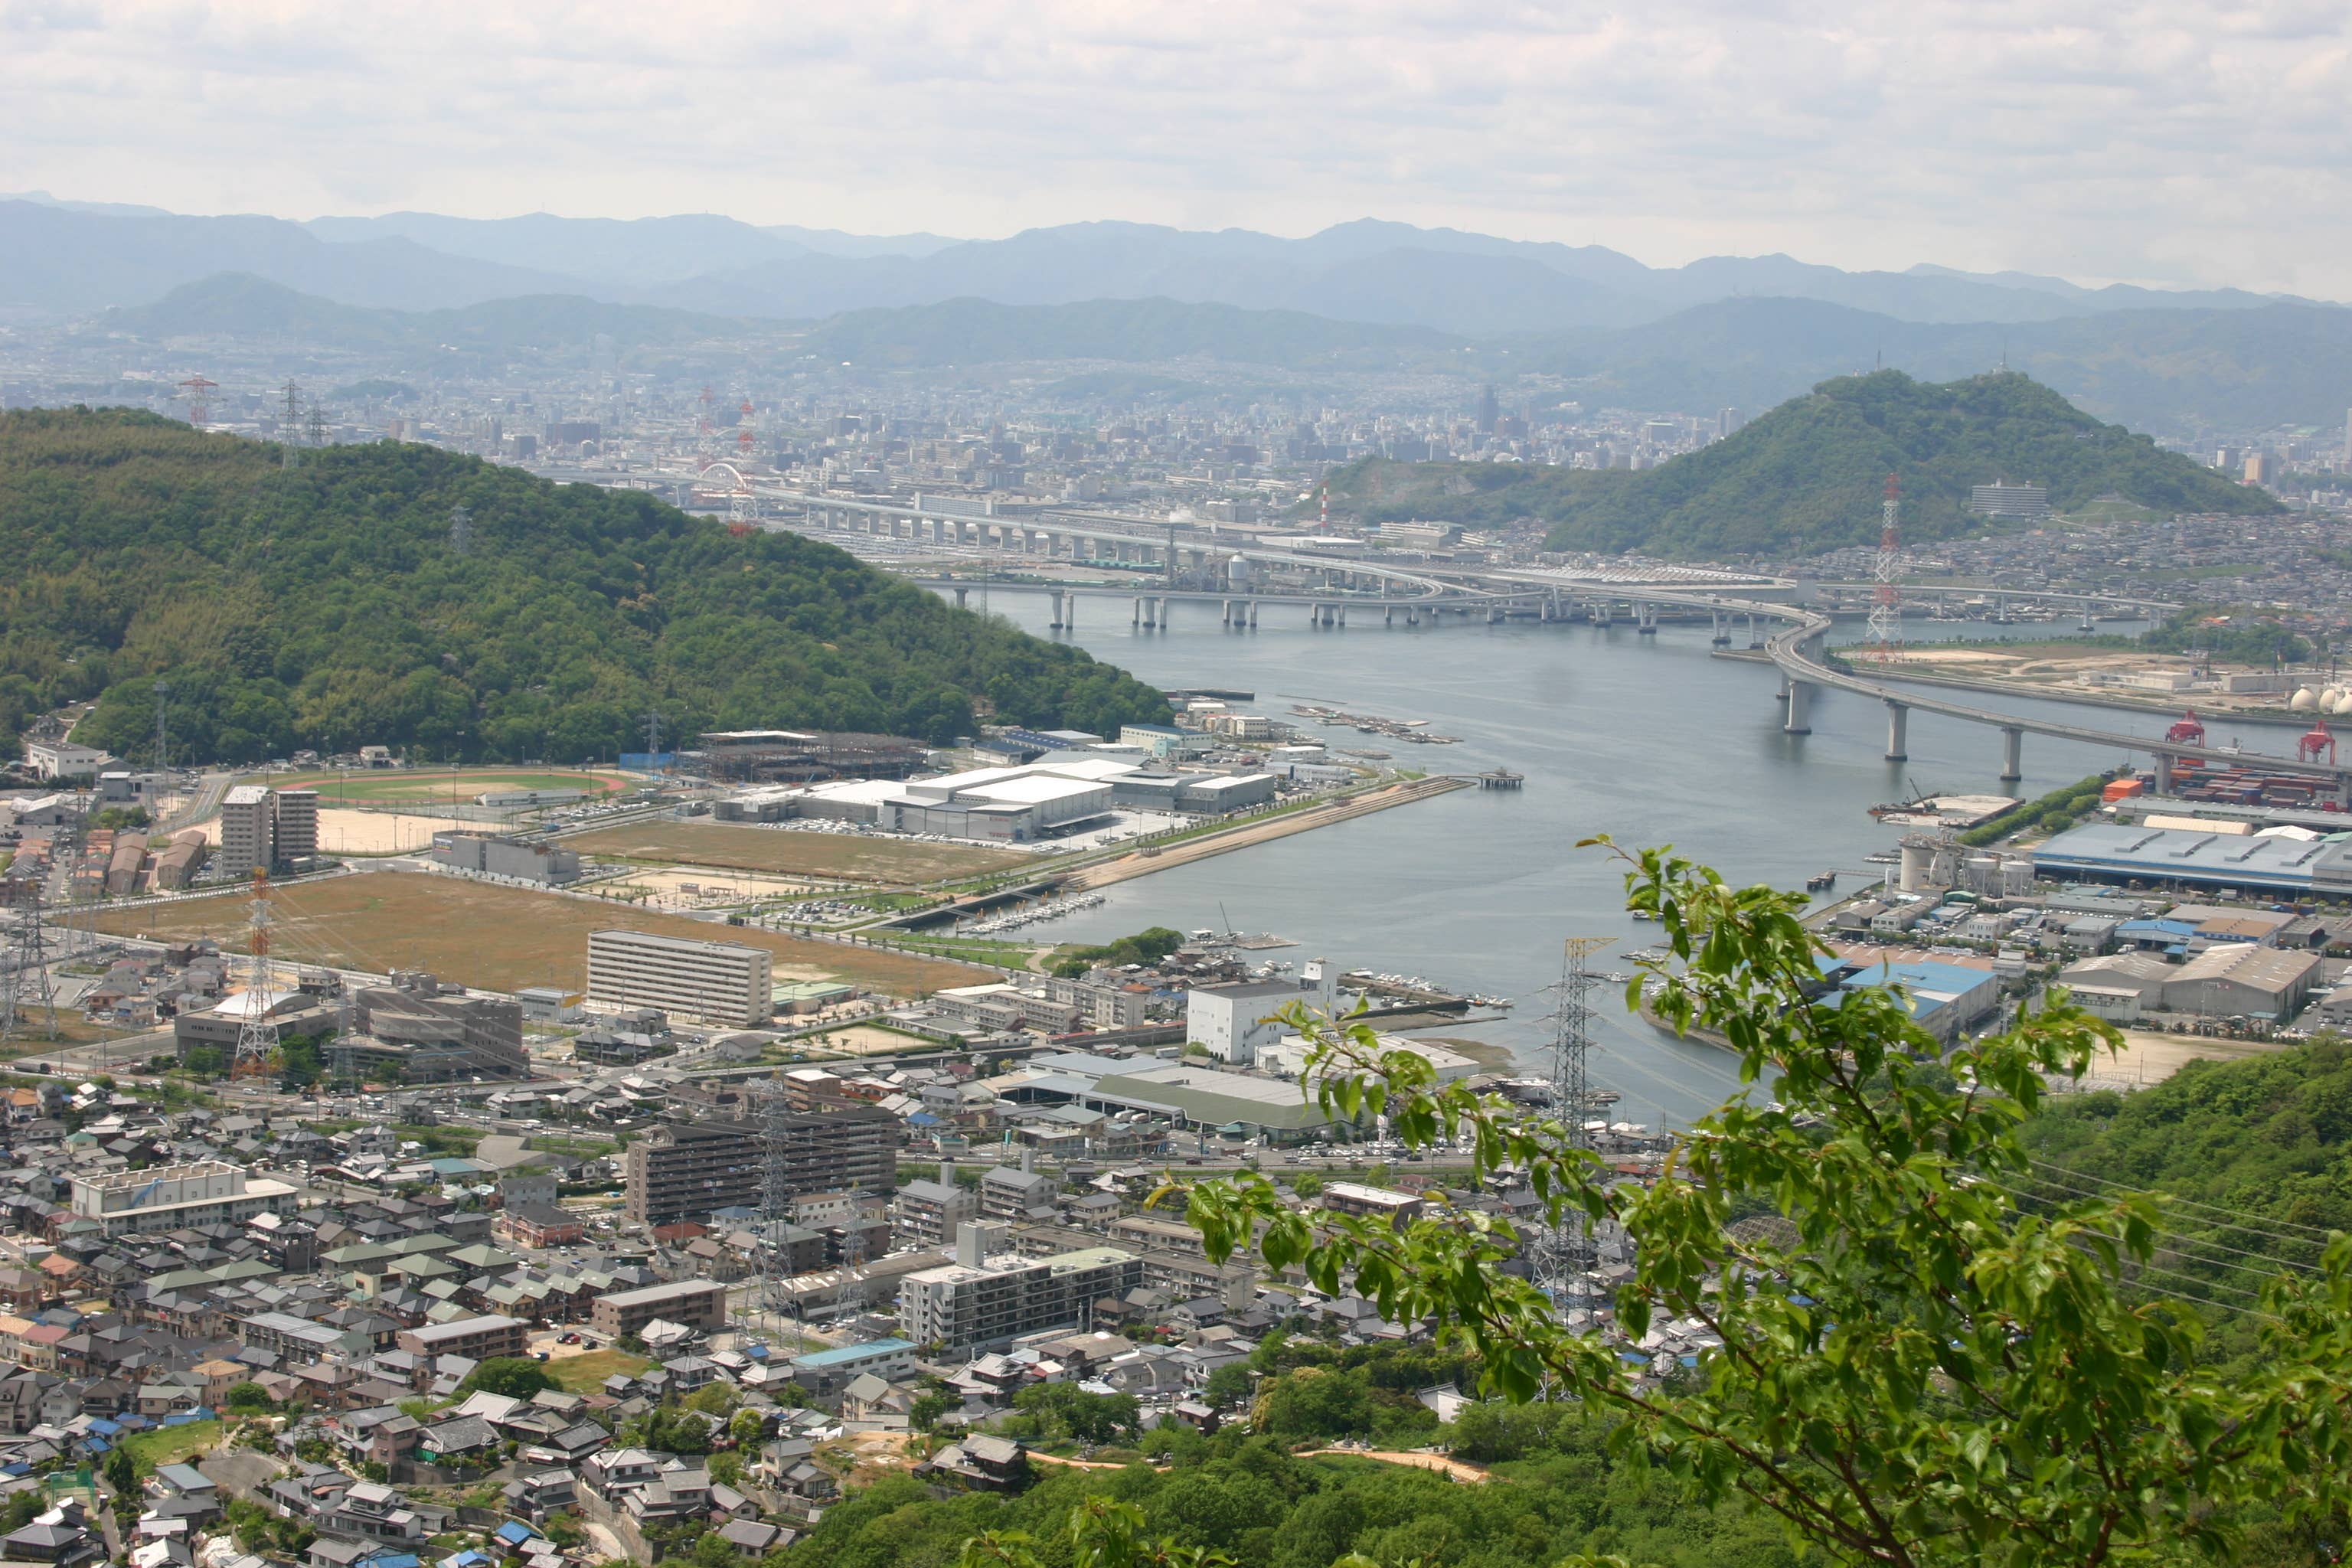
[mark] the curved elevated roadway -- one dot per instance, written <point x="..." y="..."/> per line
<point x="1796" y="649"/>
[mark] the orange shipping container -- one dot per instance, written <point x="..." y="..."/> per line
<point x="2121" y="789"/>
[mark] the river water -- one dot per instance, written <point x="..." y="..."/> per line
<point x="1650" y="740"/>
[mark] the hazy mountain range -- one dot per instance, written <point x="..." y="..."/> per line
<point x="1744" y="332"/>
<point x="74" y="257"/>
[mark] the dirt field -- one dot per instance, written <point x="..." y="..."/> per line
<point x="347" y="830"/>
<point x="2150" y="1056"/>
<point x="849" y="856"/>
<point x="500" y="938"/>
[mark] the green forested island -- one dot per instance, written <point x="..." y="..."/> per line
<point x="1811" y="474"/>
<point x="326" y="604"/>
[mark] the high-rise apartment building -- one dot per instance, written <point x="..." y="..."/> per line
<point x="265" y="828"/>
<point x="983" y="1300"/>
<point x="684" y="1169"/>
<point x="705" y="982"/>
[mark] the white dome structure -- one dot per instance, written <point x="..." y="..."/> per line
<point x="2343" y="703"/>
<point x="2329" y="694"/>
<point x="2305" y="701"/>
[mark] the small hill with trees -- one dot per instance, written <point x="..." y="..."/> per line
<point x="326" y="604"/>
<point x="1809" y="475"/>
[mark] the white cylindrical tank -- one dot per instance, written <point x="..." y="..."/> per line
<point x="1919" y="868"/>
<point x="1237" y="572"/>
<point x="2305" y="701"/>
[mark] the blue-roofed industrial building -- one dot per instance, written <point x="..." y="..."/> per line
<point x="1945" y="998"/>
<point x="2266" y="863"/>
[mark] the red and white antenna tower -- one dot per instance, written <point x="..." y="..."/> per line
<point x="743" y="436"/>
<point x="197" y="390"/>
<point x="1886" y="608"/>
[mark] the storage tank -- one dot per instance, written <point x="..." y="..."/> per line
<point x="1238" y="575"/>
<point x="2305" y="701"/>
<point x="1919" y="868"/>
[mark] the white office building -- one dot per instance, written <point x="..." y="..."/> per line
<point x="176" y="1197"/>
<point x="1237" y="1022"/>
<point x="708" y="982"/>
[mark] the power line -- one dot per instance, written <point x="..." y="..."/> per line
<point x="2316" y="1231"/>
<point x="2185" y="1237"/>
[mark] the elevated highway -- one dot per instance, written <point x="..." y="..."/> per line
<point x="1794" y="645"/>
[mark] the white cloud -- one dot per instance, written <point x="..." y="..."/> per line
<point x="2166" y="142"/>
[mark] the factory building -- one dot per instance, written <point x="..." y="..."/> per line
<point x="431" y="1035"/>
<point x="2117" y="986"/>
<point x="2221" y="857"/>
<point x="495" y="855"/>
<point x="2241" y="980"/>
<point x="1236" y="1022"/>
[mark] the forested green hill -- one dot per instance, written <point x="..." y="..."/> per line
<point x="1810" y="474"/>
<point x="324" y="605"/>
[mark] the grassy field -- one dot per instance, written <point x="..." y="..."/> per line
<point x="849" y="856"/>
<point x="400" y="787"/>
<point x="497" y="937"/>
<point x="170" y="1445"/>
<point x="586" y="1373"/>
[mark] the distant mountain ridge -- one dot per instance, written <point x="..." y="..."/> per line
<point x="2277" y="365"/>
<point x="79" y="258"/>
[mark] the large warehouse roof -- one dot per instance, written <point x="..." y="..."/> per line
<point x="2111" y="851"/>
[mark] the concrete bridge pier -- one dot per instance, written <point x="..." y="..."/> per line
<point x="1164" y="612"/>
<point x="1898" y="731"/>
<point x="1343" y="614"/>
<point x="2163" y="774"/>
<point x="1649" y="623"/>
<point x="959" y="594"/>
<point x="1137" y="619"/>
<point x="1800" y="718"/>
<point x="1057" y="623"/>
<point x="1253" y="615"/>
<point x="1754" y="642"/>
<point x="1229" y="615"/>
<point x="2013" y="750"/>
<point x="1391" y="616"/>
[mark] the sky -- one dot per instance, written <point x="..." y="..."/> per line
<point x="2163" y="142"/>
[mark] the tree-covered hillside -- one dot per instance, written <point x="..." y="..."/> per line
<point x="1810" y="474"/>
<point x="325" y="605"/>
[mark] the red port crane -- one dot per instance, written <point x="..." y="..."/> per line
<point x="2187" y="731"/>
<point x="2317" y="744"/>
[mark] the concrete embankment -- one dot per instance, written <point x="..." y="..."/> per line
<point x="1142" y="865"/>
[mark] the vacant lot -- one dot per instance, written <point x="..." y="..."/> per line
<point x="496" y="937"/>
<point x="850" y="857"/>
<point x="396" y="786"/>
<point x="586" y="1372"/>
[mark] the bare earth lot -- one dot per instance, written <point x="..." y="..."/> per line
<point x="849" y="856"/>
<point x="497" y="938"/>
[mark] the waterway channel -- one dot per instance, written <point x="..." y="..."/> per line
<point x="1651" y="739"/>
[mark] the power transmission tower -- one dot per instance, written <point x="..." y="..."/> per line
<point x="316" y="425"/>
<point x="257" y="1036"/>
<point x="653" y="740"/>
<point x="461" y="529"/>
<point x="162" y="746"/>
<point x="344" y="1067"/>
<point x="25" y="984"/>
<point x="290" y="421"/>
<point x="1885" y="631"/>
<point x="775" y="1193"/>
<point x="1560" y="1257"/>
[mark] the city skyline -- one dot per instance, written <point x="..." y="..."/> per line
<point x="2176" y="146"/>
